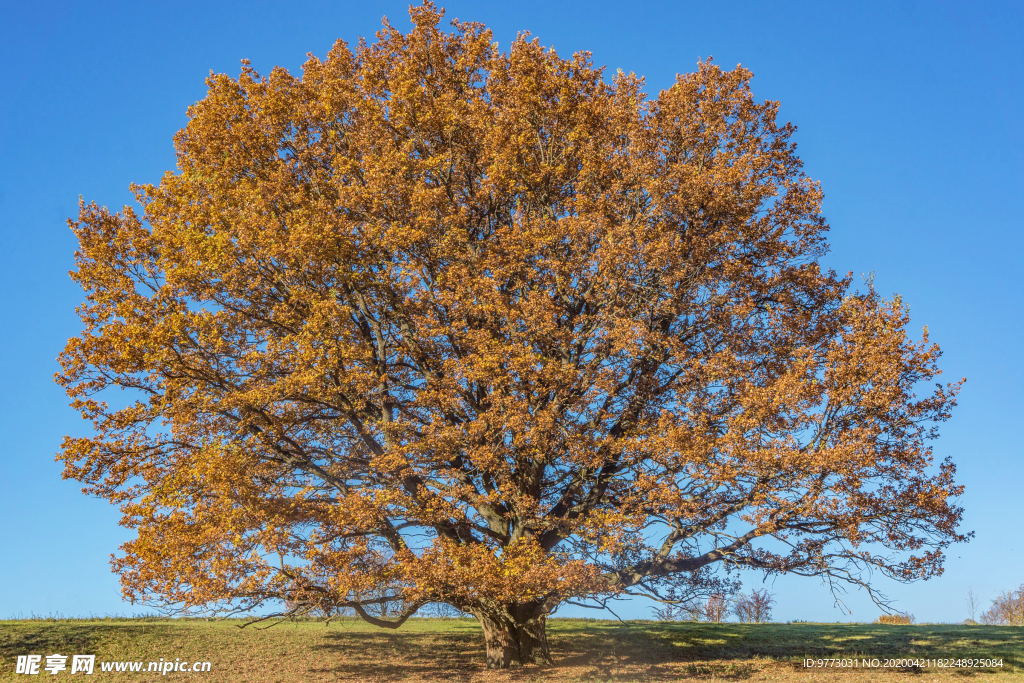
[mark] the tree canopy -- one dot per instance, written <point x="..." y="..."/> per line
<point x="434" y="322"/>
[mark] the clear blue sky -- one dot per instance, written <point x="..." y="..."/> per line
<point x="909" y="113"/>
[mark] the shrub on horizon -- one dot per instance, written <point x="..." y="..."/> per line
<point x="896" y="619"/>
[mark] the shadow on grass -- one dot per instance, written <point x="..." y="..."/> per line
<point x="61" y="637"/>
<point x="45" y="639"/>
<point x="395" y="655"/>
<point x="603" y="651"/>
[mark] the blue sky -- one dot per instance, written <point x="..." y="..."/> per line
<point x="908" y="113"/>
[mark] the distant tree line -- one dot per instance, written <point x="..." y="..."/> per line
<point x="1007" y="609"/>
<point x="750" y="608"/>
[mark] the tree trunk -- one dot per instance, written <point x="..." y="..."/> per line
<point x="512" y="642"/>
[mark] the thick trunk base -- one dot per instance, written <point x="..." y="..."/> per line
<point x="511" y="643"/>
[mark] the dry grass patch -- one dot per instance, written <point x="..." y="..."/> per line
<point x="452" y="650"/>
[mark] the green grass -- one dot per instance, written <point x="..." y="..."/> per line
<point x="584" y="650"/>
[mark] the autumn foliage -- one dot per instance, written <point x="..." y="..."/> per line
<point x="435" y="322"/>
<point x="1007" y="609"/>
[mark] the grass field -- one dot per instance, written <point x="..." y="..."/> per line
<point x="452" y="650"/>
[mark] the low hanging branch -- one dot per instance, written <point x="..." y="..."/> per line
<point x="447" y="324"/>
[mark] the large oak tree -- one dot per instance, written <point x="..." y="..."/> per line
<point x="439" y="323"/>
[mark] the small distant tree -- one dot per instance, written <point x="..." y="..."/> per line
<point x="689" y="611"/>
<point x="755" y="607"/>
<point x="703" y="599"/>
<point x="671" y="613"/>
<point x="716" y="608"/>
<point x="972" y="605"/>
<point x="904" y="619"/>
<point x="1007" y="609"/>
